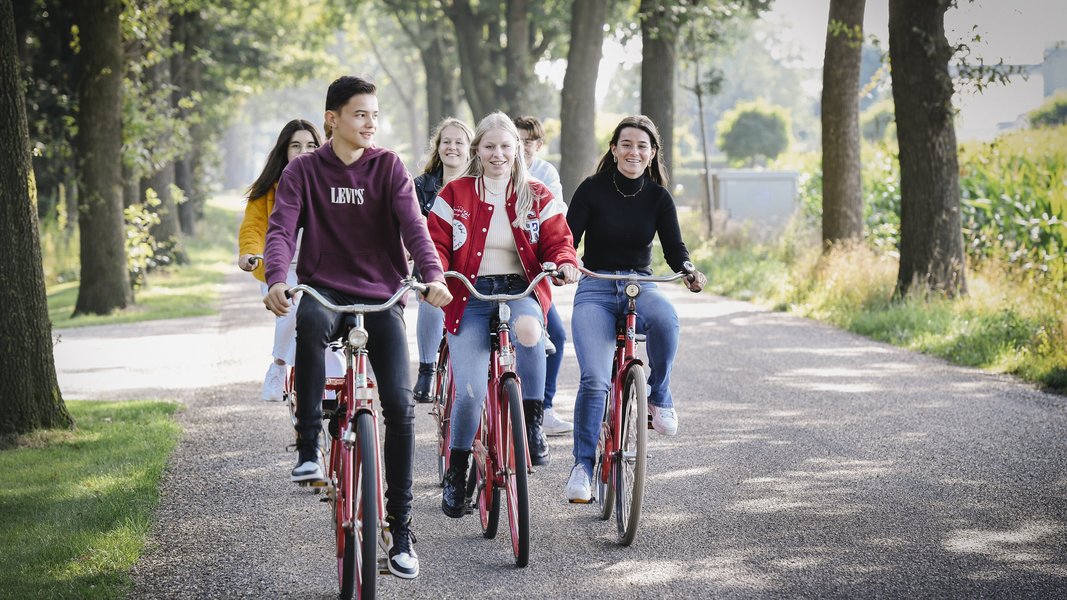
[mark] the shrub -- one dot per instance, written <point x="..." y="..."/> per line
<point x="753" y="131"/>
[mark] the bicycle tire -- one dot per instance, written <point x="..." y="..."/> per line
<point x="289" y="392"/>
<point x="488" y="494"/>
<point x="516" y="484"/>
<point x="629" y="470"/>
<point x="605" y="483"/>
<point x="444" y="394"/>
<point x="345" y="537"/>
<point x="368" y="506"/>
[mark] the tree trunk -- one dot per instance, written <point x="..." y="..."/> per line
<point x="476" y="69"/>
<point x="439" y="102"/>
<point x="186" y="76"/>
<point x="30" y="397"/>
<point x="842" y="186"/>
<point x="105" y="282"/>
<point x="517" y="59"/>
<point x="931" y="236"/>
<point x="658" y="61"/>
<point x="577" y="113"/>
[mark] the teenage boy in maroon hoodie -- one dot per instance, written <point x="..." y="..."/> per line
<point x="357" y="206"/>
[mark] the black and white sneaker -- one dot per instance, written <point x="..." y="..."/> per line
<point x="403" y="561"/>
<point x="308" y="468"/>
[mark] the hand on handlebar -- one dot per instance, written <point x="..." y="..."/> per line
<point x="276" y="299"/>
<point x="696" y="280"/>
<point x="437" y="294"/>
<point x="248" y="262"/>
<point x="569" y="274"/>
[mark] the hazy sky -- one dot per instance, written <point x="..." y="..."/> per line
<point x="1017" y="31"/>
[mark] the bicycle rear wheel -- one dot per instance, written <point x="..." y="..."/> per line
<point x="629" y="469"/>
<point x="605" y="484"/>
<point x="516" y="484"/>
<point x="488" y="495"/>
<point x="443" y="395"/>
<point x="367" y="517"/>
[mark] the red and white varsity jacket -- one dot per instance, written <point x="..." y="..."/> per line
<point x="459" y="224"/>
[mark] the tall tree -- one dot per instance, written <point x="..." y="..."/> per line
<point x="931" y="236"/>
<point x="422" y="23"/>
<point x="105" y="283"/>
<point x="659" y="35"/>
<point x="663" y="24"/>
<point x="499" y="43"/>
<point x="577" y="114"/>
<point x="30" y="397"/>
<point x="842" y="196"/>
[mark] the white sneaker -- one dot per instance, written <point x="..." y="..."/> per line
<point x="578" y="486"/>
<point x="664" y="419"/>
<point x="554" y="425"/>
<point x="308" y="471"/>
<point x="274" y="383"/>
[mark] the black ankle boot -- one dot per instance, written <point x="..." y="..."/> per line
<point x="534" y="411"/>
<point x="455" y="484"/>
<point x="422" y="384"/>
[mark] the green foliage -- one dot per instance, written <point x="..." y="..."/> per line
<point x="1052" y="112"/>
<point x="141" y="246"/>
<point x="878" y="122"/>
<point x="754" y="131"/>
<point x="78" y="504"/>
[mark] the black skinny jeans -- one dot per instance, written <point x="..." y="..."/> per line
<point x="387" y="347"/>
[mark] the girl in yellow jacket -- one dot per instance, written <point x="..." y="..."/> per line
<point x="297" y="137"/>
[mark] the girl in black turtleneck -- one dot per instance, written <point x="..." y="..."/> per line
<point x="619" y="210"/>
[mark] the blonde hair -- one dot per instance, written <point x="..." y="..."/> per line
<point x="433" y="159"/>
<point x="520" y="177"/>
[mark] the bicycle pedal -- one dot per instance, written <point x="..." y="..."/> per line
<point x="383" y="566"/>
<point x="312" y="483"/>
<point x="589" y="501"/>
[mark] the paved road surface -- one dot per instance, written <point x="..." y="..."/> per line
<point x="809" y="463"/>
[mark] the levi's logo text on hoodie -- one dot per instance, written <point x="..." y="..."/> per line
<point x="346" y="195"/>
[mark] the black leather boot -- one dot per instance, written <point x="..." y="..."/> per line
<point x="422" y="384"/>
<point x="455" y="484"/>
<point x="534" y="411"/>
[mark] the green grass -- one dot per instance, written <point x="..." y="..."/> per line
<point x="77" y="505"/>
<point x="181" y="291"/>
<point x="1006" y="324"/>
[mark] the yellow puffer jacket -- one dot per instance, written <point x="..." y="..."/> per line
<point x="252" y="236"/>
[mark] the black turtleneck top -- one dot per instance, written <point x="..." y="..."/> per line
<point x="619" y="222"/>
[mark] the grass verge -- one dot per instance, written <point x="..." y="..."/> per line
<point x="1007" y="323"/>
<point x="77" y="505"/>
<point x="180" y="291"/>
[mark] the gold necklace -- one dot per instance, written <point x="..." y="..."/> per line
<point x="641" y="187"/>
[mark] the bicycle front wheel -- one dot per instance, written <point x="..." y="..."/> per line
<point x="488" y="494"/>
<point x="629" y="469"/>
<point x="443" y="395"/>
<point x="516" y="484"/>
<point x="341" y="458"/>
<point x="367" y="518"/>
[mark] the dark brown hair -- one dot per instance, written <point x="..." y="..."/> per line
<point x="279" y="157"/>
<point x="655" y="169"/>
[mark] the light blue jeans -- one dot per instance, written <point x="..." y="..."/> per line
<point x="469" y="350"/>
<point x="428" y="330"/>
<point x="598" y="305"/>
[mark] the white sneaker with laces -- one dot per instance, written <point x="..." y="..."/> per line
<point x="308" y="471"/>
<point x="578" y="486"/>
<point x="664" y="419"/>
<point x="554" y="425"/>
<point x="274" y="383"/>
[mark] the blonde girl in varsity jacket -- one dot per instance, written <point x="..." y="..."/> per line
<point x="497" y="226"/>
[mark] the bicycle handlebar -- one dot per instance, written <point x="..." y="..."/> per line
<point x="407" y="284"/>
<point x="550" y="271"/>
<point x="635" y="277"/>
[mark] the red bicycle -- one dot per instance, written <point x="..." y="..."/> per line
<point x="501" y="458"/>
<point x="443" y="395"/>
<point x="619" y="471"/>
<point x="354" y="473"/>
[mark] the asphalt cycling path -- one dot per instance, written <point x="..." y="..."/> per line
<point x="810" y="462"/>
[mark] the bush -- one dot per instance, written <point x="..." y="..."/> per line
<point x="1051" y="113"/>
<point x="754" y="130"/>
